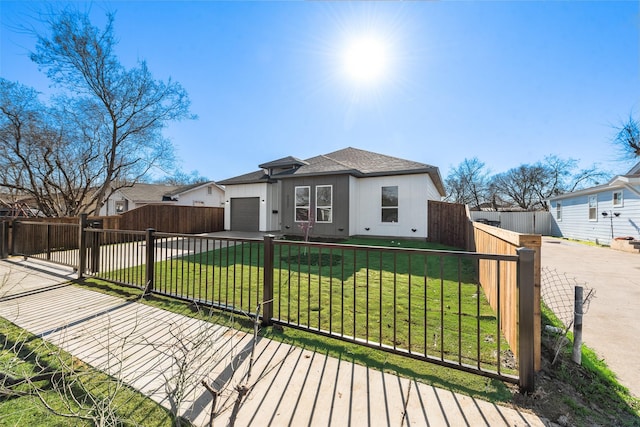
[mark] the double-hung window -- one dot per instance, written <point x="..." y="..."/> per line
<point x="302" y="206"/>
<point x="617" y="199"/>
<point x="559" y="211"/>
<point x="593" y="208"/>
<point x="390" y="204"/>
<point x="324" y="203"/>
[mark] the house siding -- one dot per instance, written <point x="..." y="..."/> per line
<point x="575" y="223"/>
<point x="413" y="193"/>
<point x="338" y="227"/>
<point x="260" y="190"/>
<point x="196" y="197"/>
<point x="201" y="195"/>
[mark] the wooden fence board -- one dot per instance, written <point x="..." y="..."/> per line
<point x="448" y="224"/>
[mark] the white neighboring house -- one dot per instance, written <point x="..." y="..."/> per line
<point x="125" y="199"/>
<point x="600" y="213"/>
<point x="345" y="193"/>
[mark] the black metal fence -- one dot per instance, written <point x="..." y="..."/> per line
<point x="419" y="303"/>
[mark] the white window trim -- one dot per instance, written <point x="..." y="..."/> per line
<point x="621" y="199"/>
<point x="318" y="206"/>
<point x="296" y="206"/>
<point x="559" y="211"/>
<point x="595" y="218"/>
<point x="396" y="207"/>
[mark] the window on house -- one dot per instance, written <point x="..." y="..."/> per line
<point x="324" y="203"/>
<point x="617" y="199"/>
<point x="209" y="190"/>
<point x="559" y="211"/>
<point x="302" y="203"/>
<point x="120" y="206"/>
<point x="593" y="208"/>
<point x="390" y="204"/>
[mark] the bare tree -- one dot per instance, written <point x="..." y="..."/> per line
<point x="182" y="178"/>
<point x="518" y="185"/>
<point x="529" y="186"/>
<point x="468" y="183"/>
<point x="627" y="139"/>
<point x="120" y="112"/>
<point x="41" y="154"/>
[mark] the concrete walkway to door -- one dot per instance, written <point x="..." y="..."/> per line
<point x="290" y="386"/>
<point x="611" y="325"/>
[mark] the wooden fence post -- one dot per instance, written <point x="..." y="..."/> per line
<point x="150" y="260"/>
<point x="82" y="246"/>
<point x="267" y="294"/>
<point x="526" y="305"/>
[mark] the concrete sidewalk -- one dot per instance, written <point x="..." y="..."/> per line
<point x="611" y="325"/>
<point x="287" y="386"/>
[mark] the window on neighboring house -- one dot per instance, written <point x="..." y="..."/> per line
<point x="559" y="211"/>
<point x="390" y="204"/>
<point x="593" y="208"/>
<point x="324" y="203"/>
<point x="617" y="199"/>
<point x="209" y="190"/>
<point x="120" y="205"/>
<point x="302" y="206"/>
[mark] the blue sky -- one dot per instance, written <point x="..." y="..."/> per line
<point x="507" y="82"/>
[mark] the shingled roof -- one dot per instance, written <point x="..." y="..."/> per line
<point x="351" y="161"/>
<point x="141" y="192"/>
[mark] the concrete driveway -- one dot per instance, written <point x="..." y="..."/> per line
<point x="611" y="326"/>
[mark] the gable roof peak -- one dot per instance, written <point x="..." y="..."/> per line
<point x="635" y="170"/>
<point x="283" y="162"/>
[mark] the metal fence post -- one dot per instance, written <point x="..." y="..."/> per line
<point x="267" y="295"/>
<point x="12" y="237"/>
<point x="526" y="319"/>
<point x="4" y="239"/>
<point x="82" y="246"/>
<point x="94" y="246"/>
<point x="576" y="355"/>
<point x="47" y="244"/>
<point x="149" y="260"/>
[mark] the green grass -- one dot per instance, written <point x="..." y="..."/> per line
<point x="26" y="366"/>
<point x="424" y="304"/>
<point x="591" y="391"/>
<point x="585" y="242"/>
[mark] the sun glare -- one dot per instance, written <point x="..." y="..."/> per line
<point x="366" y="59"/>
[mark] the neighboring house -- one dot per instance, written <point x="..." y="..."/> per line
<point x="600" y="213"/>
<point x="345" y="193"/>
<point x="128" y="198"/>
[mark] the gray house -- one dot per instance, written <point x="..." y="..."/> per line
<point x="600" y="213"/>
<point x="344" y="193"/>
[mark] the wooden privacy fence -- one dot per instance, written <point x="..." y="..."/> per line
<point x="448" y="223"/>
<point x="493" y="240"/>
<point x="164" y="218"/>
<point x="167" y="218"/>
